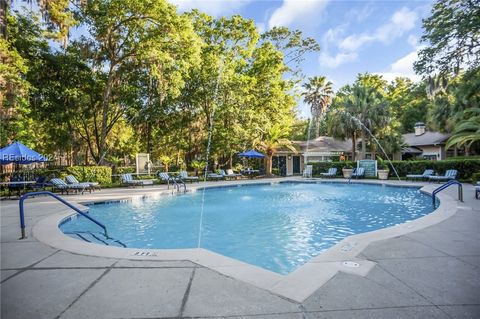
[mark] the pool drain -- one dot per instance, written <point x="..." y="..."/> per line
<point x="351" y="264"/>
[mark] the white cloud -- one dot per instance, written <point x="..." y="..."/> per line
<point x="213" y="7"/>
<point x="401" y="21"/>
<point x="333" y="34"/>
<point x="360" y="14"/>
<point x="260" y="27"/>
<point x="329" y="61"/>
<point x="412" y="40"/>
<point x="403" y="67"/>
<point x="296" y="10"/>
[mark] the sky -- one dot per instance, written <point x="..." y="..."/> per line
<point x="359" y="36"/>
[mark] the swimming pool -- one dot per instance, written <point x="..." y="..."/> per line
<point x="278" y="227"/>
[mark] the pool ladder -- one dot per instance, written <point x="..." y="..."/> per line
<point x="446" y="185"/>
<point x="84" y="214"/>
<point x="178" y="183"/>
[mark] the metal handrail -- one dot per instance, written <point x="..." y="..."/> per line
<point x="447" y="184"/>
<point x="22" y="214"/>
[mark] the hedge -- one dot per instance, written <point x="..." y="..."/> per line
<point x="322" y="167"/>
<point x="125" y="170"/>
<point x="466" y="167"/>
<point x="100" y="174"/>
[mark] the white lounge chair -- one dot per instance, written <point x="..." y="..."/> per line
<point x="184" y="176"/>
<point x="449" y="175"/>
<point x="128" y="180"/>
<point x="307" y="172"/>
<point x="426" y="174"/>
<point x="64" y="187"/>
<point x="332" y="172"/>
<point x="358" y="172"/>
<point x="73" y="180"/>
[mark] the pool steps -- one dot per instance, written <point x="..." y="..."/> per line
<point x="96" y="238"/>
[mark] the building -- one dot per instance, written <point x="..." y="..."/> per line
<point x="425" y="144"/>
<point x="323" y="148"/>
<point x="420" y="144"/>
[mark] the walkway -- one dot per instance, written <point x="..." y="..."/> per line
<point x="431" y="273"/>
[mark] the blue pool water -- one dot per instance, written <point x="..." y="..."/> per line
<point x="278" y="227"/>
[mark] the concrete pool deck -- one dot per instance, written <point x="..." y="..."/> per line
<point x="428" y="273"/>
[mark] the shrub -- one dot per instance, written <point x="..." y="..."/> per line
<point x="100" y="174"/>
<point x="125" y="170"/>
<point x="475" y="177"/>
<point x="466" y="167"/>
<point x="322" y="167"/>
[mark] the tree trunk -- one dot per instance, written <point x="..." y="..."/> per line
<point x="364" y="144"/>
<point x="105" y="109"/>
<point x="354" y="146"/>
<point x="149" y="139"/>
<point x="3" y="18"/>
<point x="268" y="165"/>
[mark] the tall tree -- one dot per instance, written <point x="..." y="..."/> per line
<point x="127" y="34"/>
<point x="319" y="94"/>
<point x="452" y="38"/>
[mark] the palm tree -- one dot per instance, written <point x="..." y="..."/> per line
<point x="358" y="109"/>
<point x="319" y="94"/>
<point x="367" y="106"/>
<point x="467" y="131"/>
<point x="274" y="139"/>
<point x="340" y="125"/>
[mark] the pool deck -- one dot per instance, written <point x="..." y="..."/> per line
<point x="432" y="272"/>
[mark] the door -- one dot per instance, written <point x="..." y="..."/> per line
<point x="280" y="162"/>
<point x="296" y="164"/>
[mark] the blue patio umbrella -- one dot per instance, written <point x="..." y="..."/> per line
<point x="19" y="154"/>
<point x="252" y="154"/>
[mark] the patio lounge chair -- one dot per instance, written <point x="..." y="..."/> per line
<point x="230" y="173"/>
<point x="184" y="176"/>
<point x="426" y="174"/>
<point x="332" y="172"/>
<point x="214" y="176"/>
<point x="307" y="172"/>
<point x="40" y="183"/>
<point x="64" y="187"/>
<point x="358" y="172"/>
<point x="227" y="175"/>
<point x="128" y="180"/>
<point x="449" y="175"/>
<point x="73" y="180"/>
<point x="170" y="179"/>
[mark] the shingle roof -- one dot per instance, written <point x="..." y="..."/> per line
<point x="427" y="138"/>
<point x="324" y="144"/>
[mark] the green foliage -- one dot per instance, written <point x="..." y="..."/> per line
<point x="451" y="34"/>
<point x="322" y="167"/>
<point x="273" y="140"/>
<point x="319" y="94"/>
<point x="466" y="168"/>
<point x="467" y="131"/>
<point x="293" y="45"/>
<point x="125" y="170"/>
<point x="100" y="174"/>
<point x="476" y="177"/>
<point x="361" y="108"/>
